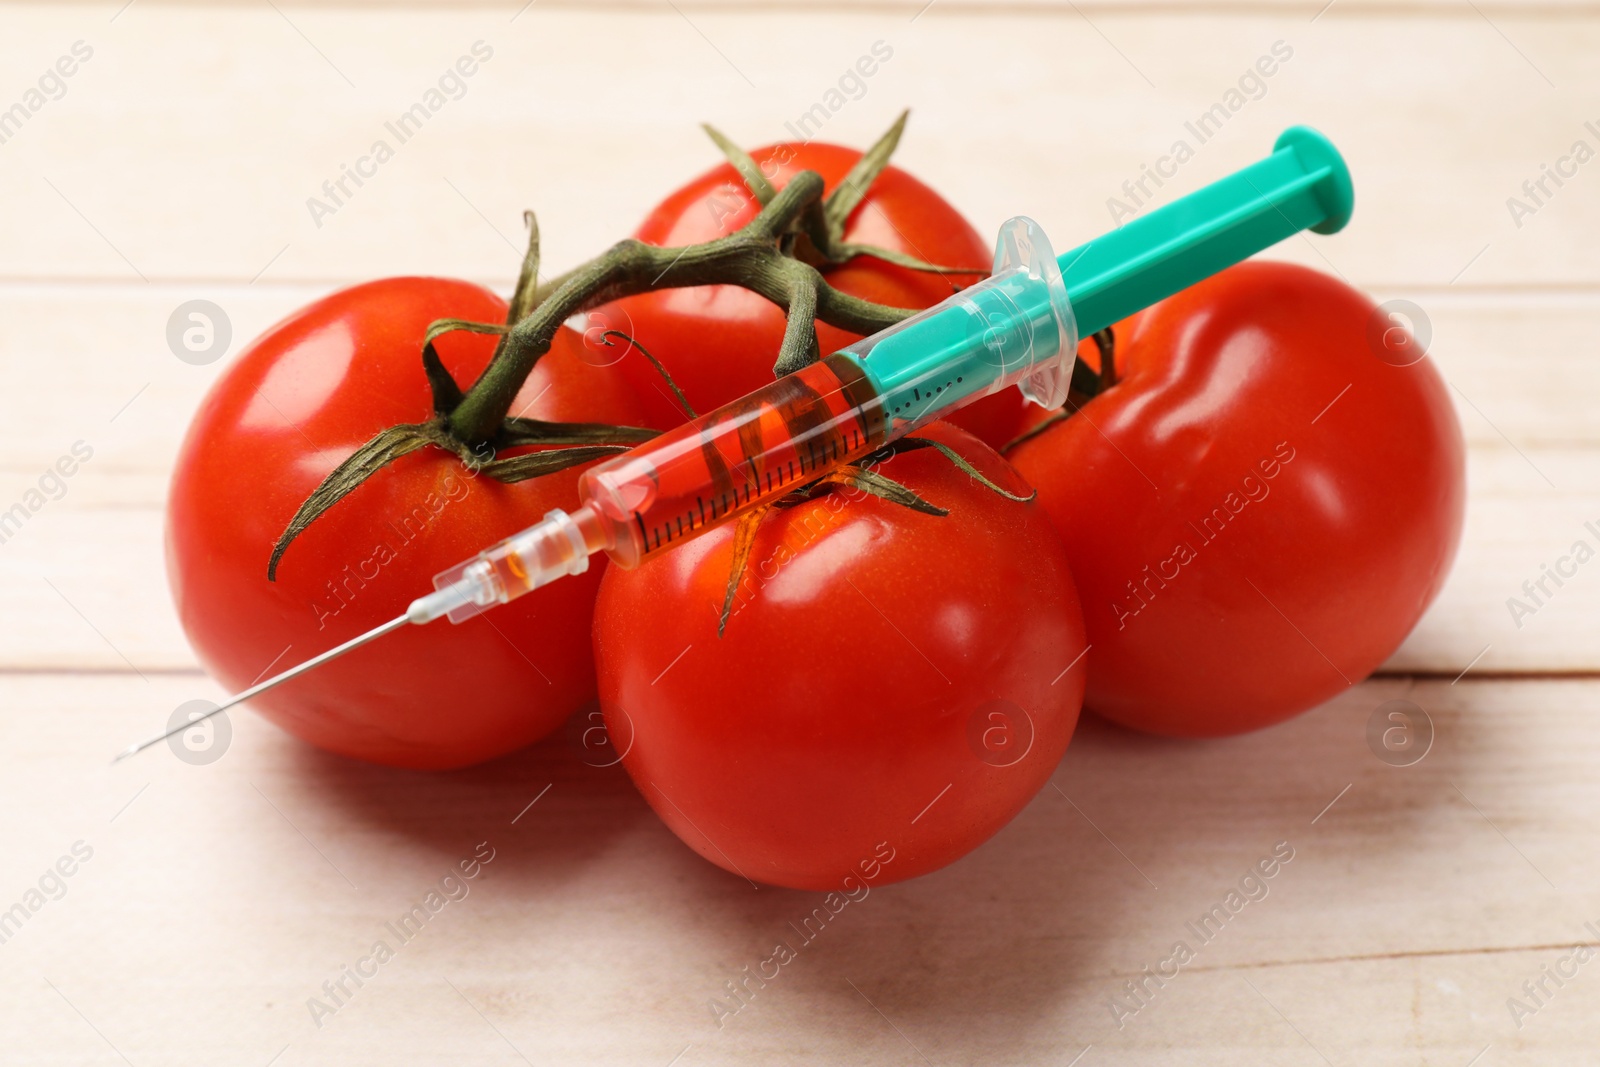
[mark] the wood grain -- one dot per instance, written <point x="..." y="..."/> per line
<point x="219" y="898"/>
<point x="216" y="150"/>
<point x="1417" y="901"/>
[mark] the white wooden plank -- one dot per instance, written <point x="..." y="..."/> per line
<point x="175" y="162"/>
<point x="1437" y="9"/>
<point x="1519" y="364"/>
<point x="1518" y="525"/>
<point x="217" y="902"/>
<point x="88" y="576"/>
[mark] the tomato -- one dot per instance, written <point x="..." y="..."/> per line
<point x="719" y="342"/>
<point x="1260" y="509"/>
<point x="890" y="683"/>
<point x="294" y="404"/>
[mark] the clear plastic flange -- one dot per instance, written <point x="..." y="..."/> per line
<point x="1023" y="244"/>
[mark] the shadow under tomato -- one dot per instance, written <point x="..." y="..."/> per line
<point x="1020" y="945"/>
<point x="544" y="809"/>
<point x="1039" y="928"/>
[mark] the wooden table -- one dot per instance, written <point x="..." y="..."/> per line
<point x="217" y="900"/>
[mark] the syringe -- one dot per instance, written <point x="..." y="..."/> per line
<point x="1018" y="327"/>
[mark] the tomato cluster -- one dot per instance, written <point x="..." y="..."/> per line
<point x="1249" y="515"/>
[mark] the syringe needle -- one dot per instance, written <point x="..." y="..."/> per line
<point x="547" y="550"/>
<point x="277" y="679"/>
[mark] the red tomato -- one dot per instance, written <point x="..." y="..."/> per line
<point x="1260" y="509"/>
<point x="719" y="341"/>
<point x="294" y="404"/>
<point x="889" y="683"/>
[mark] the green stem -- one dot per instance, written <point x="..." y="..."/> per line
<point x="749" y="258"/>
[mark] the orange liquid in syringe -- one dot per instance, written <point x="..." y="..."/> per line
<point x="750" y="452"/>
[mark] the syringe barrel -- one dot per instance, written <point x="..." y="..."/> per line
<point x="740" y="456"/>
<point x="1013" y="328"/>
